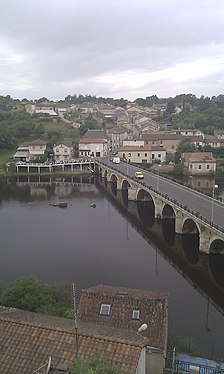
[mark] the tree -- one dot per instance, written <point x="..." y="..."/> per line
<point x="185" y="145"/>
<point x="183" y="344"/>
<point x="27" y="293"/>
<point x="170" y="109"/>
<point x="97" y="365"/>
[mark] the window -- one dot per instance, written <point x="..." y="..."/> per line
<point x="172" y="147"/>
<point x="159" y="155"/>
<point x="145" y="154"/>
<point x="153" y="156"/>
<point x="208" y="166"/>
<point x="105" y="309"/>
<point x="161" y="142"/>
<point x="135" y="314"/>
<point x="66" y="150"/>
<point x="138" y="154"/>
<point x="199" y="166"/>
<point x="191" y="166"/>
<point x="57" y="150"/>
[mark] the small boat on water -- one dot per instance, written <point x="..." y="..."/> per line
<point x="92" y="206"/>
<point x="60" y="204"/>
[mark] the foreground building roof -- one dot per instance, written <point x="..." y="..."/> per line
<point x="27" y="340"/>
<point x="127" y="308"/>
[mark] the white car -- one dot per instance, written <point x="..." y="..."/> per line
<point x="116" y="160"/>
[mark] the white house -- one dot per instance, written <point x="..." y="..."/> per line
<point x="200" y="163"/>
<point x="94" y="143"/>
<point x="37" y="149"/>
<point x="63" y="151"/>
<point x="32" y="152"/>
<point x="142" y="154"/>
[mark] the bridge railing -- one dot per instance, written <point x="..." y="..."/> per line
<point x="185" y="184"/>
<point x="174" y="201"/>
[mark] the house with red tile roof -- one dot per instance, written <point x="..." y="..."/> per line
<point x="31" y="341"/>
<point x="94" y="143"/>
<point x="199" y="163"/>
<point x="127" y="308"/>
<point x="134" y="310"/>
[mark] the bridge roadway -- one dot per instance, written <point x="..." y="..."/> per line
<point x="195" y="200"/>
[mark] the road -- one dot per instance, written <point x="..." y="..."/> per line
<point x="196" y="201"/>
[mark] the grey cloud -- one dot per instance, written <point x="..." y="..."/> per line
<point x="65" y="41"/>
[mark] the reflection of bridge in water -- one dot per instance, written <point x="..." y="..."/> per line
<point x="203" y="272"/>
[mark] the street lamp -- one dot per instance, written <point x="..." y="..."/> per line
<point x="157" y="181"/>
<point x="127" y="171"/>
<point x="127" y="161"/>
<point x="213" y="198"/>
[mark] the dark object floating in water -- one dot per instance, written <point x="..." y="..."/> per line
<point x="60" y="204"/>
<point x="92" y="206"/>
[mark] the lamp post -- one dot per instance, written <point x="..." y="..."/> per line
<point x="157" y="181"/>
<point x="213" y="198"/>
<point x="127" y="171"/>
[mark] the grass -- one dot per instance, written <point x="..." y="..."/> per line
<point x="6" y="155"/>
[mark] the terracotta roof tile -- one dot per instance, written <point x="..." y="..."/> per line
<point x="152" y="305"/>
<point x="28" y="339"/>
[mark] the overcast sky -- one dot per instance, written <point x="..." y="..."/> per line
<point x="111" y="48"/>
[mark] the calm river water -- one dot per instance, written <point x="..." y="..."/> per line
<point x="104" y="245"/>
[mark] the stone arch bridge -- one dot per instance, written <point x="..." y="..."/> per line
<point x="210" y="235"/>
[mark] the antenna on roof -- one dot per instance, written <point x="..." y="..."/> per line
<point x="47" y="365"/>
<point x="74" y="294"/>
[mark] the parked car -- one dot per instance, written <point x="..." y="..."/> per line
<point x="139" y="175"/>
<point x="116" y="160"/>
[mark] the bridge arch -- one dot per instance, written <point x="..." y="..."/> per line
<point x="190" y="227"/>
<point x="191" y="241"/>
<point x="145" y="207"/>
<point x="113" y="181"/>
<point x="216" y="247"/>
<point x="125" y="185"/>
<point x="168" y="211"/>
<point x="143" y="195"/>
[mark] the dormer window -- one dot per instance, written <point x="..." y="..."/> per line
<point x="135" y="314"/>
<point x="105" y="309"/>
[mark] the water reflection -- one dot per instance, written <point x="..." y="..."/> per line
<point x="117" y="243"/>
<point x="202" y="271"/>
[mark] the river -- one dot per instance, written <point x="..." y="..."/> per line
<point x="105" y="245"/>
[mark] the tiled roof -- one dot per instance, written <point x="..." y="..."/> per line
<point x="135" y="148"/>
<point x="95" y="134"/>
<point x="92" y="141"/>
<point x="153" y="307"/>
<point x="27" y="340"/>
<point x="38" y="142"/>
<point x="160" y="136"/>
<point x="199" y="158"/>
<point x="117" y="130"/>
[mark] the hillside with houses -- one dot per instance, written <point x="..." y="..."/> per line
<point x="182" y="130"/>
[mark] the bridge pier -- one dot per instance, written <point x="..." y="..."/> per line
<point x="132" y="194"/>
<point x="179" y="222"/>
<point x="158" y="207"/>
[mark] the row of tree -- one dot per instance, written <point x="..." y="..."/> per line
<point x="34" y="295"/>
